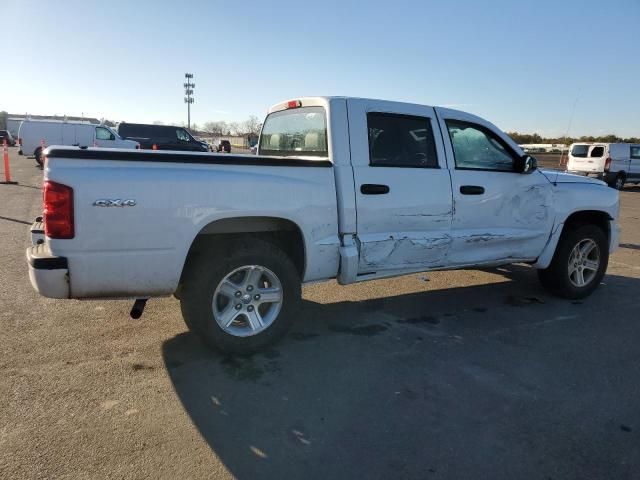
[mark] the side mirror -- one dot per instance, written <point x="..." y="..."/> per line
<point x="525" y="164"/>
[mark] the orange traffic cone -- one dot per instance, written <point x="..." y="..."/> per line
<point x="5" y="156"/>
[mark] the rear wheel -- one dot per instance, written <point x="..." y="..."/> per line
<point x="242" y="299"/>
<point x="579" y="263"/>
<point x="618" y="182"/>
<point x="38" y="155"/>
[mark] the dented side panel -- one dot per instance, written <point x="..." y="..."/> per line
<point x="408" y="227"/>
<point x="512" y="219"/>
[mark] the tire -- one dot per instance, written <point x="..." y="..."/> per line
<point x="38" y="155"/>
<point x="207" y="304"/>
<point x="558" y="278"/>
<point x="618" y="182"/>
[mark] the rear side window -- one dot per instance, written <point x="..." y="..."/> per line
<point x="597" y="152"/>
<point x="400" y="141"/>
<point x="128" y="130"/>
<point x="580" y="151"/>
<point x="635" y="152"/>
<point x="295" y="132"/>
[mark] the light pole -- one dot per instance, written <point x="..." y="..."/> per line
<point x="188" y="91"/>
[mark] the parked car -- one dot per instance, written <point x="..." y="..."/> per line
<point x="224" y="146"/>
<point x="390" y="189"/>
<point x="164" y="137"/>
<point x="208" y="147"/>
<point x="33" y="133"/>
<point x="615" y="163"/>
<point x="6" y="135"/>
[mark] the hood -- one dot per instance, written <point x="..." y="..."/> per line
<point x="556" y="176"/>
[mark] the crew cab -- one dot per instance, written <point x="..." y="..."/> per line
<point x="346" y="188"/>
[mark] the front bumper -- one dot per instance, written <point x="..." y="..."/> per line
<point x="49" y="275"/>
<point x="614" y="236"/>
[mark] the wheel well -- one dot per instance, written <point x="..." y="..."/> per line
<point x="589" y="217"/>
<point x="283" y="233"/>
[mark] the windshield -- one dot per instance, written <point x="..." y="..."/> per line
<point x="295" y="132"/>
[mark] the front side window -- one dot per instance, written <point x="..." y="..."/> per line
<point x="477" y="148"/>
<point x="183" y="136"/>
<point x="635" y="152"/>
<point x="295" y="132"/>
<point x="104" y="134"/>
<point x="400" y="141"/>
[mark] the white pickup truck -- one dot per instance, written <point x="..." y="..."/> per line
<point x="344" y="188"/>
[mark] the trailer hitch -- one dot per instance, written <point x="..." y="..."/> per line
<point x="138" y="308"/>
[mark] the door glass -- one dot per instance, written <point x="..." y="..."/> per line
<point x="103" y="134"/>
<point x="400" y="141"/>
<point x="580" y="151"/>
<point x="597" y="152"/>
<point x="477" y="148"/>
<point x="183" y="136"/>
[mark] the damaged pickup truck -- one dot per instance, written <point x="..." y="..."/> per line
<point x="344" y="188"/>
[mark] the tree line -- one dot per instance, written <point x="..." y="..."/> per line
<point x="249" y="127"/>
<point x="525" y="138"/>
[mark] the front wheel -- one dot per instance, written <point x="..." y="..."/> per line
<point x="242" y="299"/>
<point x="579" y="263"/>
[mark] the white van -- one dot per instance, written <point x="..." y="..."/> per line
<point x="615" y="163"/>
<point x="33" y="133"/>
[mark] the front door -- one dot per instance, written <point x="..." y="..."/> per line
<point x="105" y="138"/>
<point x="499" y="215"/>
<point x="403" y="187"/>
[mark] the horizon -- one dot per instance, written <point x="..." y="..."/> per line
<point x="247" y="58"/>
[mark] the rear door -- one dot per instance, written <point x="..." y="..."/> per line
<point x="85" y="135"/>
<point x="634" y="168"/>
<point x="588" y="158"/>
<point x="403" y="187"/>
<point x="499" y="215"/>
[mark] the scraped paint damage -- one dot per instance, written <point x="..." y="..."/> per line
<point x="393" y="252"/>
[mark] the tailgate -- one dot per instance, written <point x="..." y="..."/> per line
<point x="586" y="158"/>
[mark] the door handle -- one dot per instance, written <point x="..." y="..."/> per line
<point x="373" y="189"/>
<point x="471" y="190"/>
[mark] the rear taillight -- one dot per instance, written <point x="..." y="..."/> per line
<point x="607" y="164"/>
<point x="58" y="210"/>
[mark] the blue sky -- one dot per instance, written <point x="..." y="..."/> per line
<point x="521" y="64"/>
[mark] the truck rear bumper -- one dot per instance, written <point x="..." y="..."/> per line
<point x="37" y="231"/>
<point x="49" y="275"/>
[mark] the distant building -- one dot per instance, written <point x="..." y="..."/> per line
<point x="544" y="147"/>
<point x="13" y="120"/>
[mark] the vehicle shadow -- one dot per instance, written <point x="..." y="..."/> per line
<point x="409" y="386"/>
